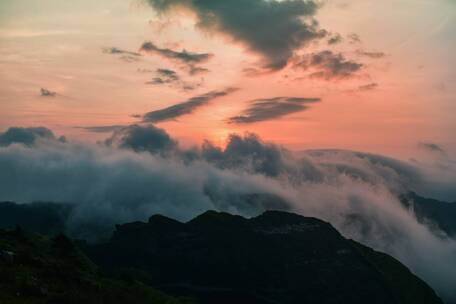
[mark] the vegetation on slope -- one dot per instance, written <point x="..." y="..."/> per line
<point x="36" y="269"/>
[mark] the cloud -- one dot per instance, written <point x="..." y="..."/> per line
<point x="328" y="65"/>
<point x="26" y="136"/>
<point x="126" y="56"/>
<point x="335" y="39"/>
<point x="355" y="192"/>
<point x="47" y="93"/>
<point x="172" y="78"/>
<point x="431" y="147"/>
<point x="182" y="56"/>
<point x="248" y="153"/>
<point x="273" y="29"/>
<point x="272" y="108"/>
<point x="142" y="139"/>
<point x="373" y="55"/>
<point x="116" y="51"/>
<point x="157" y="81"/>
<point x="129" y="58"/>
<point x="164" y="76"/>
<point x="190" y="60"/>
<point x="184" y="108"/>
<point x="169" y="74"/>
<point x="354" y="38"/>
<point x="197" y="70"/>
<point x="368" y="87"/>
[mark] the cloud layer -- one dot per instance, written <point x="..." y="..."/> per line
<point x="143" y="171"/>
<point x="274" y="29"/>
<point x="272" y="108"/>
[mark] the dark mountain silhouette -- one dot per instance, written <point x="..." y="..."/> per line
<point x="36" y="269"/>
<point x="43" y="218"/>
<point x="277" y="257"/>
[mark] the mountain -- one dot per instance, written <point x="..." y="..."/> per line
<point x="434" y="213"/>
<point x="277" y="257"/>
<point x="37" y="269"/>
<point x="40" y="217"/>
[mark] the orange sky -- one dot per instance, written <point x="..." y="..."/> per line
<point x="58" y="45"/>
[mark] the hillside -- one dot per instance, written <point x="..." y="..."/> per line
<point x="36" y="269"/>
<point x="276" y="257"/>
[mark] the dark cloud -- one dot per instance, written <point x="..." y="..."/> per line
<point x="164" y="76"/>
<point x="374" y="55"/>
<point x="189" y="60"/>
<point x="271" y="108"/>
<point x="432" y="147"/>
<point x="117" y="51"/>
<point x="182" y="56"/>
<point x="172" y="78"/>
<point x="368" y="87"/>
<point x="169" y="74"/>
<point x="248" y="153"/>
<point x="142" y="139"/>
<point x="185" y="107"/>
<point x="47" y="93"/>
<point x="328" y="65"/>
<point x="127" y="56"/>
<point x="271" y="28"/>
<point x="26" y="136"/>
<point x="335" y="39"/>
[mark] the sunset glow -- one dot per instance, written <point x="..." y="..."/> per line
<point x="402" y="95"/>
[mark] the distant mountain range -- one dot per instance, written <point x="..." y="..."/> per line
<point x="277" y="257"/>
<point x="436" y="214"/>
<point x="50" y="218"/>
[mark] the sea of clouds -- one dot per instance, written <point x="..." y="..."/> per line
<point x="141" y="170"/>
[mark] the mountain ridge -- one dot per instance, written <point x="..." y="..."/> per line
<point x="276" y="257"/>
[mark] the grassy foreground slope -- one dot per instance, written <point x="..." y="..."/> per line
<point x="36" y="269"/>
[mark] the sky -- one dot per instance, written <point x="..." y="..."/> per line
<point x="365" y="75"/>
